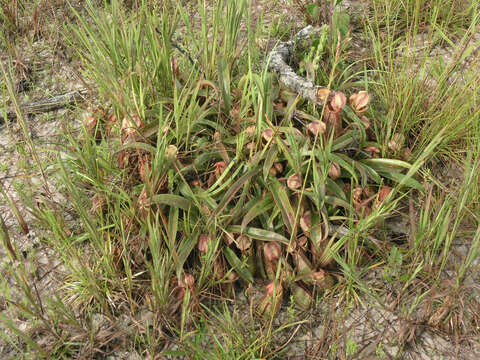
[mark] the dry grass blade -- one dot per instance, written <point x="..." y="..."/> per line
<point x="14" y="208"/>
<point x="7" y="243"/>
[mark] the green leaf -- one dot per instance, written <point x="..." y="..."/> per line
<point x="138" y="146"/>
<point x="224" y="79"/>
<point x="240" y="267"/>
<point x="219" y="181"/>
<point x="197" y="195"/>
<point x="171" y="200"/>
<point x="269" y="160"/>
<point x="346" y="139"/>
<point x="185" y="248"/>
<point x="287" y="153"/>
<point x="316" y="232"/>
<point x="235" y="187"/>
<point x="259" y="234"/>
<point x="280" y="197"/>
<point x="173" y="223"/>
<point x="381" y="164"/>
<point x="367" y="171"/>
<point x="335" y="201"/>
<point x="226" y="184"/>
<point x="261" y="206"/>
<point x="345" y="163"/>
<point x="200" y="124"/>
<point x="313" y="9"/>
<point x="335" y="189"/>
<point x="341" y="21"/>
<point x="399" y="177"/>
<point x="203" y="158"/>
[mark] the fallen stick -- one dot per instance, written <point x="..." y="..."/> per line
<point x="45" y="105"/>
<point x="278" y="60"/>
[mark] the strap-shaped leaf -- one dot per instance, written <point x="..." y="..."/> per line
<point x="287" y="153"/>
<point x="335" y="201"/>
<point x="399" y="177"/>
<point x="259" y="234"/>
<point x="172" y="223"/>
<point x="213" y="189"/>
<point x="335" y="189"/>
<point x="269" y="160"/>
<point x="367" y="171"/>
<point x="224" y="80"/>
<point x="138" y="146"/>
<point x="280" y="197"/>
<point x="262" y="205"/>
<point x="235" y="187"/>
<point x="345" y="163"/>
<point x="382" y="164"/>
<point x="332" y="200"/>
<point x="185" y="248"/>
<point x="346" y="139"/>
<point x="239" y="266"/>
<point x="171" y="200"/>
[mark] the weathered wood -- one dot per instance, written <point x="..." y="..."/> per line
<point x="278" y="60"/>
<point x="46" y="105"/>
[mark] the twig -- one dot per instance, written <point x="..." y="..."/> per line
<point x="286" y="343"/>
<point x="278" y="62"/>
<point x="46" y="105"/>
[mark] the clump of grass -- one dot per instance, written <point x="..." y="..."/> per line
<point x="17" y="19"/>
<point x="418" y="94"/>
<point x="9" y="14"/>
<point x="418" y="268"/>
<point x="401" y="16"/>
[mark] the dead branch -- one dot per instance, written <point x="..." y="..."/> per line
<point x="45" y="105"/>
<point x="278" y="60"/>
